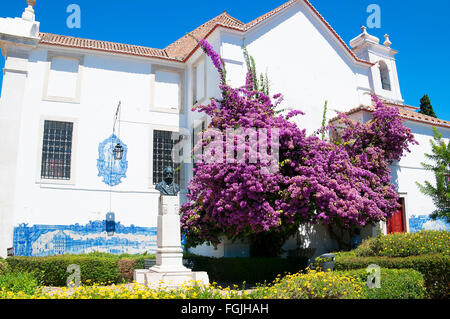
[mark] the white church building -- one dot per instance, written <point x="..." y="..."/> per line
<point x="60" y="120"/>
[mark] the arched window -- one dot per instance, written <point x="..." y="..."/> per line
<point x="384" y="74"/>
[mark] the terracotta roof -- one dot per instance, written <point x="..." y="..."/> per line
<point x="66" y="41"/>
<point x="387" y="103"/>
<point x="406" y="112"/>
<point x="184" y="47"/>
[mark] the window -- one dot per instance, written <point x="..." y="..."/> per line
<point x="164" y="144"/>
<point x="167" y="90"/>
<point x="56" y="150"/>
<point x="384" y="74"/>
<point x="198" y="81"/>
<point x="63" y="79"/>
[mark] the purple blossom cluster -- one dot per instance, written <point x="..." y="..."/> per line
<point x="215" y="58"/>
<point x="344" y="181"/>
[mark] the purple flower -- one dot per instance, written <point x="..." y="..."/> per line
<point x="344" y="181"/>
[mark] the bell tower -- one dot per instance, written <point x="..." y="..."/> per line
<point x="383" y="75"/>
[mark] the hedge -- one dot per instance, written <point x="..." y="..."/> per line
<point x="252" y="270"/>
<point x="105" y="268"/>
<point x="406" y="244"/>
<point x="18" y="282"/>
<point x="434" y="267"/>
<point x="227" y="270"/>
<point x="394" y="284"/>
<point x="351" y="284"/>
<point x="4" y="267"/>
<point x="52" y="270"/>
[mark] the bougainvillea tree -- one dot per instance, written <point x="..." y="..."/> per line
<point x="343" y="182"/>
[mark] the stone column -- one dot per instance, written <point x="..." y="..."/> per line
<point x="18" y="37"/>
<point x="169" y="271"/>
<point x="14" y="79"/>
<point x="169" y="254"/>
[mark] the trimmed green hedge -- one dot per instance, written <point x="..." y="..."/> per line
<point x="434" y="267"/>
<point x="18" y="282"/>
<point x="406" y="244"/>
<point x="251" y="270"/>
<point x="52" y="270"/>
<point x="350" y="284"/>
<point x="4" y="267"/>
<point x="394" y="284"/>
<point x="102" y="268"/>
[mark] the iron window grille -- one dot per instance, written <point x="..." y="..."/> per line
<point x="164" y="143"/>
<point x="56" y="150"/>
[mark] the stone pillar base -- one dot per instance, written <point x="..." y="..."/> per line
<point x="153" y="278"/>
<point x="169" y="271"/>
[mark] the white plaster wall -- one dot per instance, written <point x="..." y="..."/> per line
<point x="106" y="80"/>
<point x="306" y="64"/>
<point x="11" y="110"/>
<point x="303" y="60"/>
<point x="394" y="94"/>
<point x="408" y="171"/>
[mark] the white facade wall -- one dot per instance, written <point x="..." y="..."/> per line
<point x="303" y="60"/>
<point x="409" y="170"/>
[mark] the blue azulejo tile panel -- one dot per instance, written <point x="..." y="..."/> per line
<point x="424" y="222"/>
<point x="112" y="171"/>
<point x="45" y="240"/>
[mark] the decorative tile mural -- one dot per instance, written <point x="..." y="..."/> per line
<point x="111" y="170"/>
<point x="424" y="222"/>
<point x="45" y="240"/>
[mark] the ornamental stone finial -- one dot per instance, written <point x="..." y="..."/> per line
<point x="364" y="29"/>
<point x="28" y="14"/>
<point x="387" y="42"/>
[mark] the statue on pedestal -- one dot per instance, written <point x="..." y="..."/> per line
<point x="167" y="186"/>
<point x="169" y="270"/>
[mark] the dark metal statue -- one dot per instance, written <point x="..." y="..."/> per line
<point x="167" y="186"/>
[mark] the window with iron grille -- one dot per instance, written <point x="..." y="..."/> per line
<point x="164" y="143"/>
<point x="56" y="150"/>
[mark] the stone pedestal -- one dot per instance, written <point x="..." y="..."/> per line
<point x="169" y="270"/>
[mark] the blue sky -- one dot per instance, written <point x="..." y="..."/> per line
<point x="418" y="29"/>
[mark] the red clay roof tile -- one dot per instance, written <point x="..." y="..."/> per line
<point x="183" y="48"/>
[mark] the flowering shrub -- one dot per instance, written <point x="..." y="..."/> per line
<point x="191" y="290"/>
<point x="312" y="285"/>
<point x="343" y="182"/>
<point x="434" y="267"/>
<point x="406" y="244"/>
<point x="395" y="284"/>
<point x="16" y="282"/>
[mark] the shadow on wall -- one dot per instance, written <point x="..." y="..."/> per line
<point x="317" y="238"/>
<point x="314" y="241"/>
